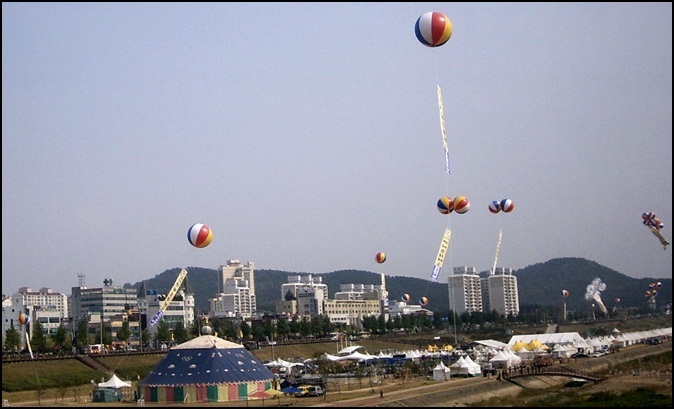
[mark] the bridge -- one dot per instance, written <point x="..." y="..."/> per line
<point x="549" y="371"/>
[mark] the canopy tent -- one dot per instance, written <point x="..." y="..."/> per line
<point x="441" y="372"/>
<point x="114" y="382"/>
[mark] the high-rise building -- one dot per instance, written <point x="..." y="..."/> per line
<point x="236" y="283"/>
<point x="503" y="294"/>
<point x="465" y="293"/>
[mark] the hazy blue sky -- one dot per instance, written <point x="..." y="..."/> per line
<point x="307" y="136"/>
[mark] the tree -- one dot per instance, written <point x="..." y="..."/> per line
<point x="124" y="333"/>
<point x="60" y="337"/>
<point x="290" y="296"/>
<point x="282" y="328"/>
<point x="12" y="338"/>
<point x="163" y="333"/>
<point x="245" y="329"/>
<point x="82" y="337"/>
<point x="180" y="333"/>
<point x="38" y="338"/>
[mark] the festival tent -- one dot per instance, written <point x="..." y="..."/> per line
<point x="111" y="390"/>
<point x="441" y="372"/>
<point x="206" y="369"/>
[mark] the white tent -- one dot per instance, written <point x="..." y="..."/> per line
<point x="441" y="372"/>
<point x="115" y="383"/>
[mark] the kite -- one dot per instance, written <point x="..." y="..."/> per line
<point x="654" y="224"/>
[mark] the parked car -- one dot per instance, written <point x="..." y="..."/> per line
<point x="597" y="354"/>
<point x="580" y="355"/>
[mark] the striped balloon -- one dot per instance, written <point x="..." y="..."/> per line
<point x="507" y="205"/>
<point x="445" y="205"/>
<point x="433" y="29"/>
<point x="405" y="297"/>
<point x="199" y="235"/>
<point x="380" y="257"/>
<point x="461" y="204"/>
<point x="565" y="293"/>
<point x="494" y="206"/>
<point x="423" y="301"/>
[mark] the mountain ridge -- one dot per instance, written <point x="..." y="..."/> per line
<point x="538" y="284"/>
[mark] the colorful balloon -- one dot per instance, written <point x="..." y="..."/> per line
<point x="461" y="204"/>
<point x="199" y="235"/>
<point x="380" y="257"/>
<point x="507" y="205"/>
<point x="405" y="297"/>
<point x="24" y="319"/>
<point x="565" y="293"/>
<point x="445" y="205"/>
<point x="433" y="29"/>
<point x="617" y="300"/>
<point x="423" y="300"/>
<point x="494" y="206"/>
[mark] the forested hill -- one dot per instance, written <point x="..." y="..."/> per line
<point x="538" y="284"/>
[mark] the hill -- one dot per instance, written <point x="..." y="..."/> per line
<point x="538" y="284"/>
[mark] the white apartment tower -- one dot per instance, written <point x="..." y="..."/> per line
<point x="503" y="295"/>
<point x="465" y="290"/>
<point x="236" y="283"/>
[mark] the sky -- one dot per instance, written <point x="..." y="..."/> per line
<point x="307" y="137"/>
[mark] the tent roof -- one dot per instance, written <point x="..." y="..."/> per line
<point x="114" y="382"/>
<point x="207" y="360"/>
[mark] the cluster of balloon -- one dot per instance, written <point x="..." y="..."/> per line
<point x="652" y="291"/>
<point x="654" y="223"/>
<point x="380" y="257"/>
<point x="593" y="293"/>
<point x="505" y="205"/>
<point x="199" y="235"/>
<point x="459" y="204"/>
<point x="422" y="301"/>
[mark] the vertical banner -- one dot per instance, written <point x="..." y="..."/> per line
<point x="444" y="244"/>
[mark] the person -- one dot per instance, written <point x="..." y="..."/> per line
<point x="381" y="394"/>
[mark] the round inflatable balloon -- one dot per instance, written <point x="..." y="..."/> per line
<point x="494" y="206"/>
<point x="24" y="319"/>
<point x="199" y="235"/>
<point x="461" y="204"/>
<point x="565" y="293"/>
<point x="423" y="301"/>
<point x="617" y="300"/>
<point x="507" y="205"/>
<point x="380" y="257"/>
<point x="433" y="29"/>
<point x="405" y="297"/>
<point x="445" y="205"/>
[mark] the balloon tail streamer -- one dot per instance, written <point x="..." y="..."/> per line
<point x="442" y="129"/>
<point x="498" y="247"/>
<point x="30" y="350"/>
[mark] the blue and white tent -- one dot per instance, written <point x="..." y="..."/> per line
<point x="206" y="369"/>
